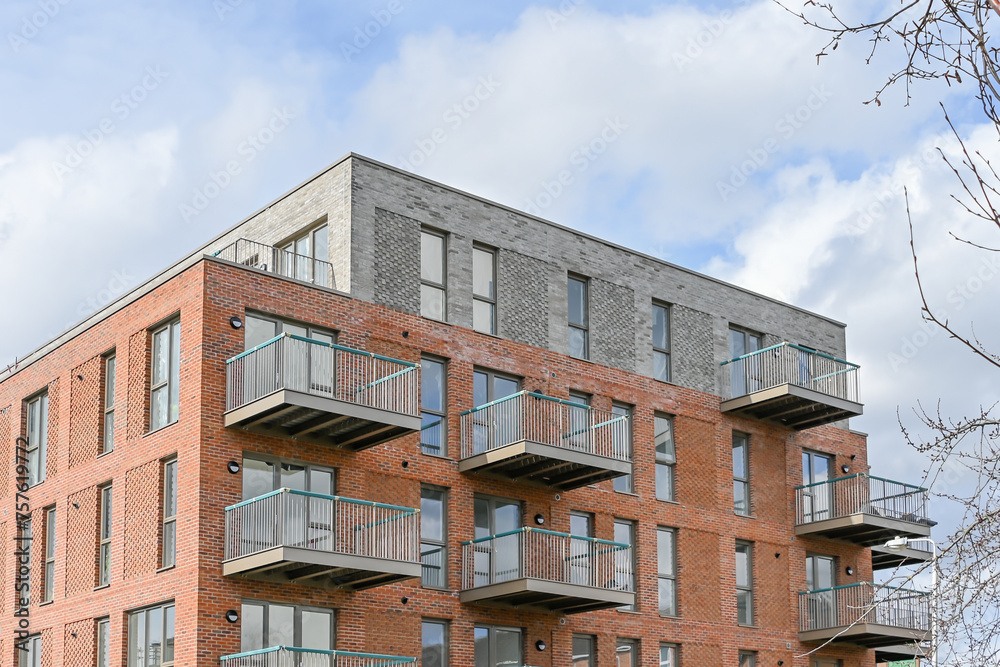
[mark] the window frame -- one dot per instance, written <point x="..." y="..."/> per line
<point x="632" y="527"/>
<point x="169" y="521"/>
<point x="634" y="649"/>
<point x="32" y="657"/>
<point x="749" y="588"/>
<point x="165" y="608"/>
<point x="277" y="462"/>
<point x="442" y="542"/>
<point x="748" y="658"/>
<point x="667" y="576"/>
<point x="659" y="350"/>
<point x="106" y="531"/>
<point x="110" y="399"/>
<point x="584" y="326"/>
<point x="297" y="610"/>
<point x="625" y="483"/>
<point x="442" y="286"/>
<point x="491" y="376"/>
<point x="446" y="639"/>
<point x="171" y="380"/>
<point x="742" y="482"/>
<point x="491" y="301"/>
<point x="425" y="360"/>
<point x="491" y="630"/>
<point x="666" y="462"/>
<point x="49" y="567"/>
<point x="37" y="448"/>
<point x="289" y="245"/>
<point x="103" y="643"/>
<point x="592" y="650"/>
<point x="674" y="651"/>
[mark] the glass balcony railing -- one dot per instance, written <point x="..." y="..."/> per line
<point x="288" y="656"/>
<point x="279" y="262"/>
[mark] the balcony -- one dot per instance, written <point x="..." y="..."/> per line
<point x="903" y="654"/>
<point x="288" y="656"/>
<point x="532" y="437"/>
<point x="791" y="386"/>
<point x="310" y="538"/>
<point x="887" y="559"/>
<point x="861" y="509"/>
<point x="865" y="614"/>
<point x="279" y="262"/>
<point x="541" y="569"/>
<point x="319" y="392"/>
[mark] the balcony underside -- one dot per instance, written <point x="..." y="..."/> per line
<point x="318" y="419"/>
<point x="864" y="529"/>
<point x="320" y="568"/>
<point x="560" y="467"/>
<point x="901" y="652"/>
<point x="792" y="406"/>
<point x="547" y="596"/>
<point x="887" y="559"/>
<point x="869" y="635"/>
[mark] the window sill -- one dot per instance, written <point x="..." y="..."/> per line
<point x="46" y="604"/>
<point x="103" y="454"/>
<point x="669" y="502"/>
<point x="435" y="588"/>
<point x="636" y="612"/>
<point x="166" y="568"/>
<point x="745" y="516"/>
<point x="626" y="493"/>
<point x="162" y="428"/>
<point x="442" y="457"/>
<point x="101" y="588"/>
<point x="674" y="616"/>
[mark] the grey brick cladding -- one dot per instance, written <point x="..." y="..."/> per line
<point x="374" y="213"/>
<point x="522" y="298"/>
<point x="612" y="325"/>
<point x="397" y="265"/>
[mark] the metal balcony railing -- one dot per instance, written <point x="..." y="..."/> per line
<point x="534" y="553"/>
<point x="290" y="518"/>
<point x="786" y="363"/>
<point x="546" y="420"/>
<point x="281" y="262"/>
<point x="860" y="494"/>
<point x="288" y="656"/>
<point x="322" y="369"/>
<point x="867" y="603"/>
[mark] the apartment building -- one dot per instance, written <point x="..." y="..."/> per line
<point x="382" y="422"/>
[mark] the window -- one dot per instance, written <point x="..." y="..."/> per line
<point x="821" y="577"/>
<point x="666" y="457"/>
<point x="496" y="647"/>
<point x="744" y="583"/>
<point x="433" y="270"/>
<point x="151" y="637"/>
<point x="493" y="428"/>
<point x="484" y="290"/>
<point x="623" y="483"/>
<point x="165" y="390"/>
<point x="30" y="652"/>
<point x="38" y="437"/>
<point x="309" y="256"/>
<point x="741" y="474"/>
<point x="260" y="329"/>
<point x="627" y="653"/>
<point x="433" y="537"/>
<point x="169" y="554"/>
<point x="110" y="364"/>
<point x="745" y="375"/>
<point x="668" y="656"/>
<point x="104" y="643"/>
<point x="267" y="624"/>
<point x="24" y="543"/>
<point x="488" y="386"/>
<point x="625" y="559"/>
<point x="579" y="318"/>
<point x="579" y="433"/>
<point x="496" y="560"/>
<point x="748" y="659"/>
<point x="583" y="651"/>
<point x="581" y="524"/>
<point x="434" y="639"/>
<point x="104" y="558"/>
<point x="433" y="403"/>
<point x="666" y="552"/>
<point x="262" y="476"/>
<point x="817" y="496"/>
<point x="661" y="342"/>
<point x="50" y="555"/>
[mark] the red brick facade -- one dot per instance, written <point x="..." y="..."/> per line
<point x="387" y="619"/>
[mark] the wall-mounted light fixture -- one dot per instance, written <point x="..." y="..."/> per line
<point x="235" y="322"/>
<point x="845" y="469"/>
<point x="404" y="599"/>
<point x="232" y="616"/>
<point x="539" y="519"/>
<point x="233" y="467"/>
<point x="850" y="571"/>
<point x="541" y="645"/>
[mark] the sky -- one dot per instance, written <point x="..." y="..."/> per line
<point x="706" y="134"/>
